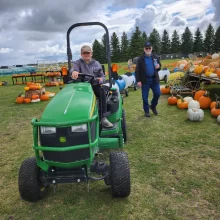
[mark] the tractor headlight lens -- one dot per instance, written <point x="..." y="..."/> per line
<point x="79" y="128"/>
<point x="48" y="130"/>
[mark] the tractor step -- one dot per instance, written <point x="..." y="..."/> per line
<point x="112" y="128"/>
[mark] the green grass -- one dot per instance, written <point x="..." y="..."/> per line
<point x="174" y="167"/>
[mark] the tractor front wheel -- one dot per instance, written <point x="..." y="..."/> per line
<point x="120" y="174"/>
<point x="30" y="187"/>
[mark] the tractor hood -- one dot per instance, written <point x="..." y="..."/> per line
<point x="74" y="103"/>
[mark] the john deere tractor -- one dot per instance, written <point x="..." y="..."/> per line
<point x="68" y="139"/>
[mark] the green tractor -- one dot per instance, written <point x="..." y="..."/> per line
<point x="69" y="138"/>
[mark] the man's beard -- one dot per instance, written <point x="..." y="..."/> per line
<point x="148" y="53"/>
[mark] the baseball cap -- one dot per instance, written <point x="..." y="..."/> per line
<point x="86" y="48"/>
<point x="147" y="44"/>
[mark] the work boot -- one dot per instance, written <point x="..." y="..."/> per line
<point x="106" y="123"/>
<point x="147" y="114"/>
<point x="154" y="110"/>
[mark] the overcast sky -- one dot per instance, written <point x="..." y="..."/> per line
<point x="35" y="30"/>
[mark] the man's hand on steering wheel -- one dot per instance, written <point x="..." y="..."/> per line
<point x="100" y="80"/>
<point x="75" y="74"/>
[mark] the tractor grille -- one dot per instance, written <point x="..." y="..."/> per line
<point x="68" y="156"/>
<point x="63" y="138"/>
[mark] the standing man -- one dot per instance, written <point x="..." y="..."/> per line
<point x="147" y="78"/>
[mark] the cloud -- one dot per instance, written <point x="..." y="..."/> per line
<point x="6" y="50"/>
<point x="178" y="21"/>
<point x="216" y="18"/>
<point x="145" y="20"/>
<point x="37" y="29"/>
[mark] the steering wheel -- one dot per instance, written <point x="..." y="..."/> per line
<point x="82" y="78"/>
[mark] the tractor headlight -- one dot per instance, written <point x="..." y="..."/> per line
<point x="79" y="128"/>
<point x="48" y="130"/>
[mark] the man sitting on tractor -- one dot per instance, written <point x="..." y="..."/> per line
<point x="88" y="65"/>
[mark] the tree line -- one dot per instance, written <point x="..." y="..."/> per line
<point x="123" y="49"/>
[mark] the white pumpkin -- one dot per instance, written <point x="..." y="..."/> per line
<point x="218" y="119"/>
<point x="35" y="100"/>
<point x="195" y="114"/>
<point x="181" y="66"/>
<point x="193" y="104"/>
<point x="188" y="99"/>
<point x="191" y="69"/>
<point x="213" y="75"/>
<point x="51" y="95"/>
<point x="215" y="56"/>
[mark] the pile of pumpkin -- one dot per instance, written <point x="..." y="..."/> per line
<point x="3" y="83"/>
<point x="35" y="97"/>
<point x="53" y="74"/>
<point x="211" y="71"/>
<point x="196" y="105"/>
<point x="54" y="83"/>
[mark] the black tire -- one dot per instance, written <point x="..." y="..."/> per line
<point x="120" y="174"/>
<point x="135" y="87"/>
<point x="124" y="126"/>
<point x="165" y="79"/>
<point x="126" y="92"/>
<point x="29" y="184"/>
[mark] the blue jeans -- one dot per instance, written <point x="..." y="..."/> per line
<point x="155" y="87"/>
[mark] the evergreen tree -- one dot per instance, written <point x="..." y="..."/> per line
<point x="115" y="48"/>
<point x="217" y="40"/>
<point x="96" y="47"/>
<point x="144" y="37"/>
<point x="136" y="44"/>
<point x="175" y="43"/>
<point x="103" y="49"/>
<point x="165" y="44"/>
<point x="187" y="42"/>
<point x="124" y="47"/>
<point x="198" y="41"/>
<point x="155" y="41"/>
<point x="209" y="39"/>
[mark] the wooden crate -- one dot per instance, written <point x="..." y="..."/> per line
<point x="29" y="93"/>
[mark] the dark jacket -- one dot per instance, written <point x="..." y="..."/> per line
<point x="140" y="71"/>
<point x="93" y="68"/>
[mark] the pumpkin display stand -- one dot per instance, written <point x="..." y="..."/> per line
<point x="53" y="79"/>
<point x="33" y="93"/>
<point x="30" y="93"/>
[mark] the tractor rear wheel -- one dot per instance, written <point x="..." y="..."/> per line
<point x="124" y="125"/>
<point x="120" y="174"/>
<point x="30" y="187"/>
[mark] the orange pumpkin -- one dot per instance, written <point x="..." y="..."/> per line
<point x="20" y="99"/>
<point x="198" y="94"/>
<point x="218" y="73"/>
<point x="30" y="83"/>
<point x="181" y="103"/>
<point x="165" y="90"/>
<point x="33" y="87"/>
<point x="35" y="96"/>
<point x="172" y="100"/>
<point x="27" y="100"/>
<point x="212" y="105"/>
<point x="205" y="101"/>
<point x="44" y="97"/>
<point x="215" y="112"/>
